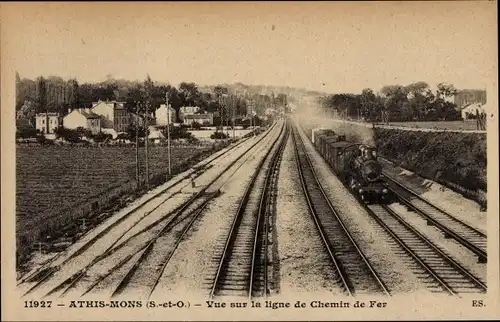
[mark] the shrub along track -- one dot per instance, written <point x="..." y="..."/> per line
<point x="54" y="265"/>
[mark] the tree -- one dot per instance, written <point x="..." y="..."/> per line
<point x="26" y="132"/>
<point x="177" y="132"/>
<point x="148" y="93"/>
<point x="418" y="87"/>
<point x="74" y="97"/>
<point x="141" y="133"/>
<point x="219" y="91"/>
<point x="174" y="100"/>
<point x="27" y="111"/>
<point x="190" y="94"/>
<point x="445" y="90"/>
<point x="369" y="106"/>
<point x="69" y="135"/>
<point x="396" y="103"/>
<point x="19" y="99"/>
<point x="41" y="100"/>
<point x="101" y="137"/>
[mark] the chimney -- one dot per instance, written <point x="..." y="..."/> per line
<point x="69" y="110"/>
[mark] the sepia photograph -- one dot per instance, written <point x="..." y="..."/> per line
<point x="249" y="160"/>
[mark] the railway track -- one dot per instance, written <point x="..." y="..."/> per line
<point x="351" y="269"/>
<point x="452" y="227"/>
<point x="241" y="268"/>
<point x="141" y="240"/>
<point x="46" y="269"/>
<point x="446" y="274"/>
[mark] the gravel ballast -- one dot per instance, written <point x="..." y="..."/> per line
<point x="392" y="268"/>
<point x="303" y="262"/>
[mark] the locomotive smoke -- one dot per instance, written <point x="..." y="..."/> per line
<point x="311" y="115"/>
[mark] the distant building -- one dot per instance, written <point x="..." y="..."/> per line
<point x="121" y="119"/>
<point x="469" y="96"/>
<point x="471" y="110"/>
<point x="204" y="119"/>
<point x="165" y="116"/>
<point x="84" y="118"/>
<point x="106" y="109"/>
<point x="48" y="122"/>
<point x="155" y="134"/>
<point x="187" y="110"/>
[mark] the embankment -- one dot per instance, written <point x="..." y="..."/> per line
<point x="455" y="160"/>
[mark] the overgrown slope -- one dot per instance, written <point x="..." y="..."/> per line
<point x="456" y="160"/>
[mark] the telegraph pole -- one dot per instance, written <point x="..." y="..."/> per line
<point x="232" y="101"/>
<point x="227" y="115"/>
<point x="168" y="134"/>
<point x="250" y="105"/>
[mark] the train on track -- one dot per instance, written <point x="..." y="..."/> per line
<point x="354" y="163"/>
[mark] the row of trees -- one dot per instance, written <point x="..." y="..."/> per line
<point x="396" y="103"/>
<point x="53" y="94"/>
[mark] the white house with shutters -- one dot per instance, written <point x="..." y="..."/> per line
<point x="165" y="115"/>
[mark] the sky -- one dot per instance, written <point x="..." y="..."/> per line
<point x="330" y="47"/>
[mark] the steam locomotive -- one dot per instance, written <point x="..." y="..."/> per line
<point x="355" y="164"/>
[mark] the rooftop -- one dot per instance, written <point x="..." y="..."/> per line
<point x="48" y="114"/>
<point x="90" y="115"/>
<point x="198" y="116"/>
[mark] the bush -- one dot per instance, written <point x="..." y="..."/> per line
<point x="458" y="158"/>
<point x="219" y="135"/>
<point x="196" y="125"/>
<point x="179" y="132"/>
<point x="101" y="137"/>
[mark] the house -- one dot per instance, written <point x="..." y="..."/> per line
<point x="47" y="122"/>
<point x="165" y="115"/>
<point x="121" y="118"/>
<point x="471" y="110"/>
<point x="155" y="134"/>
<point x="188" y="110"/>
<point x="469" y="96"/>
<point x="109" y="110"/>
<point x="83" y="118"/>
<point x="204" y="119"/>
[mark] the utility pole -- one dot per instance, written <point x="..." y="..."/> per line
<point x="227" y="115"/>
<point x="136" y="124"/>
<point x="168" y="134"/>
<point x="232" y="104"/>
<point x="146" y="105"/>
<point x="47" y="109"/>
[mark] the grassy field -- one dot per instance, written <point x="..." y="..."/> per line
<point x="468" y="125"/>
<point x="56" y="177"/>
<point x="56" y="186"/>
